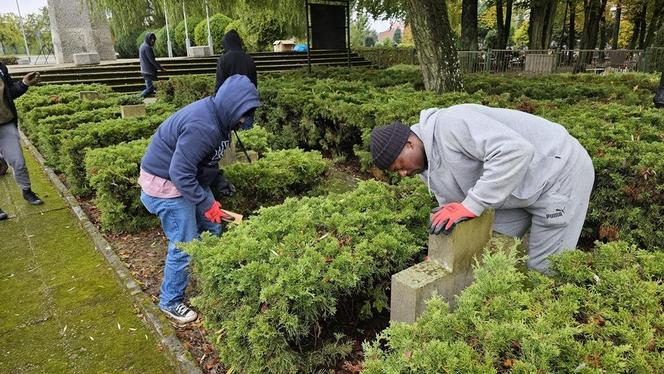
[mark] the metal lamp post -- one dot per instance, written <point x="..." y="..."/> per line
<point x="207" y="16"/>
<point x="168" y="34"/>
<point x="25" y="40"/>
<point x="187" y="43"/>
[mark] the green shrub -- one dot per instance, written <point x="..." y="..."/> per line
<point x="50" y="129"/>
<point x="388" y="56"/>
<point x="77" y="142"/>
<point x="32" y="120"/>
<point x="218" y="23"/>
<point x="46" y="95"/>
<point x="53" y="130"/>
<point x="184" y="90"/>
<point x="161" y="45"/>
<point x="601" y="312"/>
<point x="271" y="285"/>
<point x="262" y="28"/>
<point x="257" y="139"/>
<point x="273" y="178"/>
<point x="9" y="60"/>
<point x="179" y="39"/>
<point x="126" y="46"/>
<point x="113" y="174"/>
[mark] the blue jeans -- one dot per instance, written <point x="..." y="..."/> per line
<point x="149" y="87"/>
<point x="181" y="224"/>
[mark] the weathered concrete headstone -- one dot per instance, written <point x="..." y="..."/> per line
<point x="75" y="30"/>
<point x="89" y="95"/>
<point x="86" y="59"/>
<point x="230" y="154"/>
<point x="241" y="157"/>
<point x="448" y="271"/>
<point x="540" y="63"/>
<point x="130" y="111"/>
<point x="199" y="51"/>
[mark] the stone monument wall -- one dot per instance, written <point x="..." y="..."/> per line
<point x="74" y="31"/>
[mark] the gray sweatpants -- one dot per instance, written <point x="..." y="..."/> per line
<point x="10" y="150"/>
<point x="556" y="218"/>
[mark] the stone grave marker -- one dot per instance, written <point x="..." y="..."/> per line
<point x="89" y="95"/>
<point x="448" y="271"/>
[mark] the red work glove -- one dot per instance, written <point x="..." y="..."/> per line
<point x="445" y="217"/>
<point x="214" y="214"/>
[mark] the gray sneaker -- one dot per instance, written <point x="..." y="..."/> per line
<point x="3" y="215"/>
<point x="3" y="167"/>
<point x="180" y="313"/>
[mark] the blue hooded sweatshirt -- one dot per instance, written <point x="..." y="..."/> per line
<point x="187" y="147"/>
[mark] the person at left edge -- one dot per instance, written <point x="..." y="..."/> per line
<point x="10" y="147"/>
<point x="177" y="170"/>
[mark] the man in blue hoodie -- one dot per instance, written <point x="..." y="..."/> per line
<point x="177" y="170"/>
<point x="149" y="65"/>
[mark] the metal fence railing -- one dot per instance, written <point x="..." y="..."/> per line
<point x="533" y="61"/>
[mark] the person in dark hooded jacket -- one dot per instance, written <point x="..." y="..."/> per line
<point x="234" y="61"/>
<point x="10" y="147"/>
<point x="149" y="65"/>
<point x="177" y="170"/>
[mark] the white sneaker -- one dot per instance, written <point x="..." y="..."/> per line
<point x="180" y="313"/>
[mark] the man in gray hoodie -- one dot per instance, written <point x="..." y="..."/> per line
<point x="472" y="157"/>
<point x="149" y="65"/>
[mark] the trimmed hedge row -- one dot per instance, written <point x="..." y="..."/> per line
<point x="271" y="288"/>
<point x="273" y="178"/>
<point x="600" y="312"/>
<point x="183" y="90"/>
<point x="113" y="173"/>
<point x="626" y="143"/>
<point x="40" y="96"/>
<point x="76" y="142"/>
<point x="605" y="113"/>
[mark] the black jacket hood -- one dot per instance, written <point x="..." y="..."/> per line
<point x="232" y="41"/>
<point x="149" y="36"/>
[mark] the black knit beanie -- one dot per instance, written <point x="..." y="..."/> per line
<point x="387" y="142"/>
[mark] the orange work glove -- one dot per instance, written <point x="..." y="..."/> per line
<point x="445" y="217"/>
<point x="214" y="214"/>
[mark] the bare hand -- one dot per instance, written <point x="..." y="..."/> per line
<point x="31" y="78"/>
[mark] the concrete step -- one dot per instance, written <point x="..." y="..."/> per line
<point x="124" y="83"/>
<point x="196" y="69"/>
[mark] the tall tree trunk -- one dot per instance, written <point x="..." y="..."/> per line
<point x="469" y="25"/>
<point x="603" y="30"/>
<point x="435" y="45"/>
<point x="637" y="26"/>
<point x="542" y="14"/>
<point x="643" y="28"/>
<point x="655" y="22"/>
<point x="571" y="38"/>
<point x="602" y="38"/>
<point x="508" y="20"/>
<point x="616" y="27"/>
<point x="500" y="31"/>
<point x="593" y="11"/>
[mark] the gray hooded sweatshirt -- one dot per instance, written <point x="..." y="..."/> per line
<point x="492" y="158"/>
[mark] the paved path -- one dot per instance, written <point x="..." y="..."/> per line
<point x="61" y="308"/>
